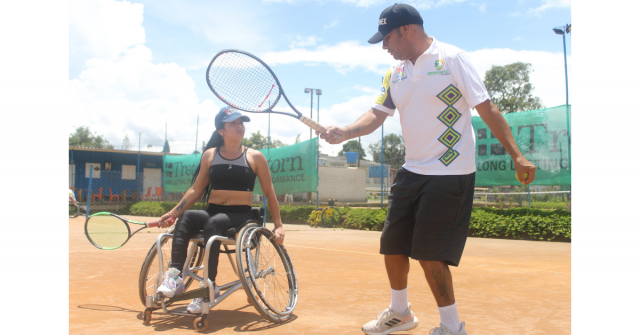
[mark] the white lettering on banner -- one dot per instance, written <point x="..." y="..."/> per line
<point x="382" y="21"/>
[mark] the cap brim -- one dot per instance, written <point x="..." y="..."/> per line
<point x="236" y="116"/>
<point x="377" y="38"/>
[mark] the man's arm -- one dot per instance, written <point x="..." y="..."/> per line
<point x="365" y="125"/>
<point x="500" y="129"/>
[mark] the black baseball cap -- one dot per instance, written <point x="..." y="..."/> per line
<point x="393" y="17"/>
<point x="228" y="114"/>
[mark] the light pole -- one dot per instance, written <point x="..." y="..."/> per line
<point x="564" y="30"/>
<point x="310" y="90"/>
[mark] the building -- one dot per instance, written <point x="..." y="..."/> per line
<point x="129" y="174"/>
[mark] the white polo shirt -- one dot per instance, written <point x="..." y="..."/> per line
<point x="434" y="98"/>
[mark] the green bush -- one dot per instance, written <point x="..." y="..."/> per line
<point x="520" y="223"/>
<point x="365" y="219"/>
<point x="147" y="208"/>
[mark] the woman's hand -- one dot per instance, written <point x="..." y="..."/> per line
<point x="279" y="232"/>
<point x="167" y="220"/>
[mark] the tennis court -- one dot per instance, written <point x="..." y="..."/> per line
<point x="501" y="287"/>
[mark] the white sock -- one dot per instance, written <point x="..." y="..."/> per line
<point x="449" y="317"/>
<point x="400" y="300"/>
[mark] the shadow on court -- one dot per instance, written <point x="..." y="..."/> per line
<point x="501" y="287"/>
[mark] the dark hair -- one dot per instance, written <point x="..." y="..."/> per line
<point x="215" y="141"/>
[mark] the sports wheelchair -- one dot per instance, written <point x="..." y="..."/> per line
<point x="264" y="270"/>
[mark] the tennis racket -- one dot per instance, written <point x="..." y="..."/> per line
<point x="245" y="82"/>
<point x="109" y="231"/>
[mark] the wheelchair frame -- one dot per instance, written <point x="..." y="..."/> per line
<point x="248" y="231"/>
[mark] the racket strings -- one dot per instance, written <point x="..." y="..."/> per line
<point x="243" y="82"/>
<point x="107" y="231"/>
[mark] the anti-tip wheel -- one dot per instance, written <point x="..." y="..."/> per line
<point x="146" y="319"/>
<point x="200" y="323"/>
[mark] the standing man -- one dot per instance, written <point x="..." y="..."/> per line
<point x="434" y="86"/>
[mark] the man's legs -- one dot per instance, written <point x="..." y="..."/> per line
<point x="439" y="278"/>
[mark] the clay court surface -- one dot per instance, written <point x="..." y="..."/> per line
<point x="501" y="287"/>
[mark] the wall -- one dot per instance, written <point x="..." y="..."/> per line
<point x="343" y="184"/>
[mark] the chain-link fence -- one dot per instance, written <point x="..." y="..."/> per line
<point x="341" y="184"/>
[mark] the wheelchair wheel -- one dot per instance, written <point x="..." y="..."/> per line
<point x="267" y="276"/>
<point x="150" y="271"/>
<point x="330" y="217"/>
<point x="74" y="211"/>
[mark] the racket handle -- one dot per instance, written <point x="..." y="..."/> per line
<point x="316" y="126"/>
<point x="153" y="224"/>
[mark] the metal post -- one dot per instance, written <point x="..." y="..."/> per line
<point x="318" y="154"/>
<point x="197" y="124"/>
<point x="382" y="169"/>
<point x="264" y="197"/>
<point x="89" y="192"/>
<point x="311" y="117"/>
<point x="566" y="81"/>
<point x="138" y="166"/>
<point x="529" y="196"/>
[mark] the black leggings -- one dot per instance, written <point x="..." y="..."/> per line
<point x="216" y="220"/>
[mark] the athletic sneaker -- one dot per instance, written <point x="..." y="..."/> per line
<point x="195" y="306"/>
<point x="442" y="330"/>
<point x="172" y="283"/>
<point x="389" y="321"/>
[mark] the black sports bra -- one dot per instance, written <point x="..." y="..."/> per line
<point x="231" y="174"/>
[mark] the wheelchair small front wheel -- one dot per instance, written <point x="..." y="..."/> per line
<point x="200" y="323"/>
<point x="146" y="318"/>
<point x="267" y="273"/>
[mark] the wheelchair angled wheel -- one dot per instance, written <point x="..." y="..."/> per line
<point x="150" y="271"/>
<point x="330" y="217"/>
<point x="266" y="273"/>
<point x="74" y="211"/>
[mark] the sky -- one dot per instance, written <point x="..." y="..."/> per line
<point x="136" y="67"/>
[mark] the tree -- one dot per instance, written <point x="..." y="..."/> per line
<point x="257" y="141"/>
<point x="510" y="89"/>
<point x="352" y="146"/>
<point x="297" y="139"/>
<point x="126" y="144"/>
<point x="83" y="137"/>
<point x="394" y="150"/>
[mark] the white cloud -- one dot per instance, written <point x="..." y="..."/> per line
<point x="547" y="4"/>
<point x="332" y="24"/>
<point x="304" y="41"/>
<point x="343" y="56"/>
<point x="482" y="7"/>
<point x="105" y="28"/>
<point x="123" y="92"/>
<point x="518" y="38"/>
<point x="547" y="77"/>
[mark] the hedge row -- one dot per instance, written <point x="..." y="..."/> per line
<point x="516" y="223"/>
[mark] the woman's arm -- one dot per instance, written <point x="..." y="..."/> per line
<point x="195" y="191"/>
<point x="264" y="176"/>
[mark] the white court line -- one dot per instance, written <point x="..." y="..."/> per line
<point x="474" y="265"/>
<point x="96" y="249"/>
<point x="355" y="252"/>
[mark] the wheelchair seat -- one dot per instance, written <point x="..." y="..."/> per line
<point x="256" y="212"/>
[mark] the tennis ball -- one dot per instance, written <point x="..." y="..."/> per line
<point x="334" y="229"/>
<point x="341" y="228"/>
<point x="148" y="230"/>
<point x="526" y="175"/>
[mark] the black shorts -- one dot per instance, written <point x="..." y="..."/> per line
<point x="428" y="217"/>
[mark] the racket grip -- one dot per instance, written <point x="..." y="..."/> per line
<point x="153" y="224"/>
<point x="316" y="126"/>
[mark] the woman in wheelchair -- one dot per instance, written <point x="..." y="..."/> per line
<point x="227" y="186"/>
